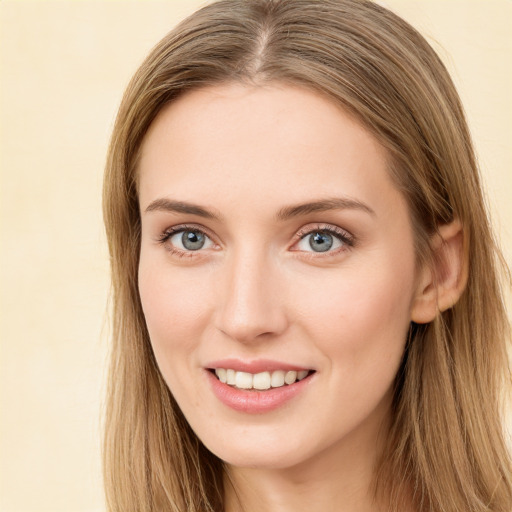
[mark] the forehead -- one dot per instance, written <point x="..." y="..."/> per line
<point x="249" y="146"/>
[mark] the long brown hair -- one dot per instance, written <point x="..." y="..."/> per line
<point x="445" y="445"/>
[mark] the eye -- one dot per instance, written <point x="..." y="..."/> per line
<point x="324" y="240"/>
<point x="187" y="239"/>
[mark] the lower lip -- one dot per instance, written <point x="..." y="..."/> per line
<point x="255" y="402"/>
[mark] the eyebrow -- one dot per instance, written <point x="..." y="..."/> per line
<point x="169" y="205"/>
<point x="336" y="203"/>
<point x="288" y="212"/>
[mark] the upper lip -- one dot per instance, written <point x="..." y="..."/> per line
<point x="255" y="366"/>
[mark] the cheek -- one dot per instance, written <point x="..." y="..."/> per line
<point x="358" y="323"/>
<point x="174" y="305"/>
<point x="359" y="314"/>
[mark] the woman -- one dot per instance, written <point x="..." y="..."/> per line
<point x="307" y="308"/>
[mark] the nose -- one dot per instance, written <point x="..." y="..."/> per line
<point x="251" y="303"/>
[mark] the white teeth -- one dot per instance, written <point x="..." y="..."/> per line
<point x="230" y="377"/>
<point x="290" y="377"/>
<point x="221" y="374"/>
<point x="260" y="381"/>
<point x="302" y="374"/>
<point x="277" y="379"/>
<point x="243" y="380"/>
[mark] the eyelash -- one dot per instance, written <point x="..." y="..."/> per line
<point x="343" y="236"/>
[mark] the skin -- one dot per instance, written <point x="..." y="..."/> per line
<point x="258" y="290"/>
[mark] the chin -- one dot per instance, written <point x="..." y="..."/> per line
<point x="259" y="452"/>
<point x="255" y="459"/>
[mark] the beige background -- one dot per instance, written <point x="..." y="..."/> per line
<point x="64" y="65"/>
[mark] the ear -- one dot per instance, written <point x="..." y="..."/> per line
<point x="441" y="285"/>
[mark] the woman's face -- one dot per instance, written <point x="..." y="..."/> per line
<point x="274" y="244"/>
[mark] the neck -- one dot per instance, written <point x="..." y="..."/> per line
<point x="299" y="489"/>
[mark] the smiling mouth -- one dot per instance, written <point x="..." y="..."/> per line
<point x="259" y="381"/>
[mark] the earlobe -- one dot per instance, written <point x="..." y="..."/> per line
<point x="441" y="284"/>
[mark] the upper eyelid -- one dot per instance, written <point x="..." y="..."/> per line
<point x="170" y="231"/>
<point x="330" y="228"/>
<point x="309" y="228"/>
